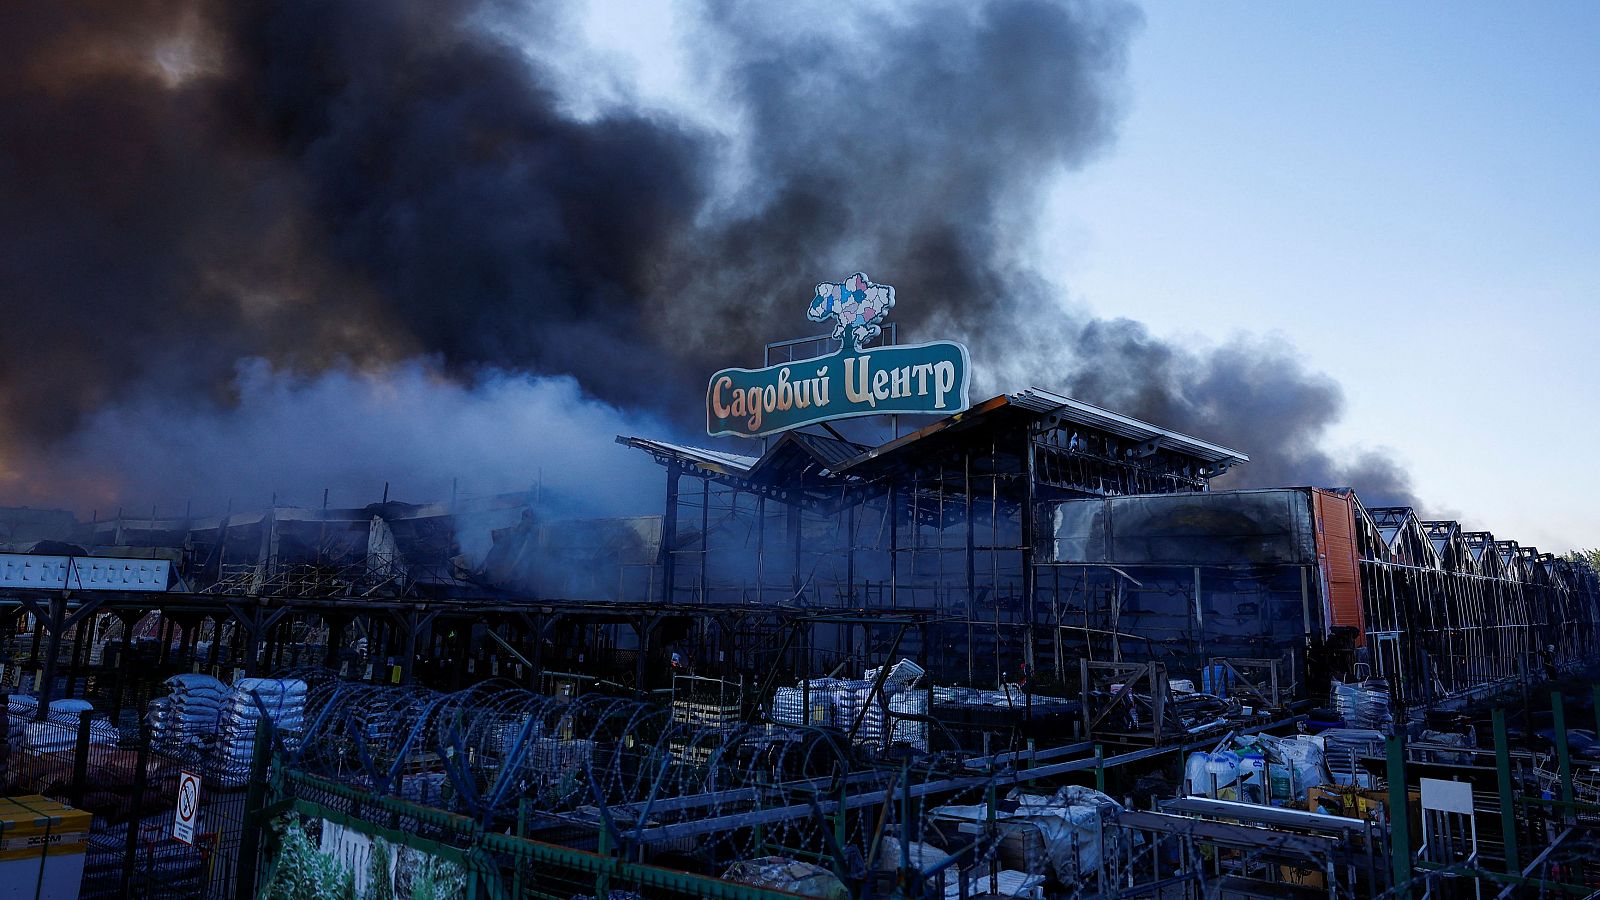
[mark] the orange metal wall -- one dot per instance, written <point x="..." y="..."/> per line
<point x="1336" y="554"/>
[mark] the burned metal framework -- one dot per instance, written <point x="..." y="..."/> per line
<point x="1440" y="614"/>
<point x="942" y="520"/>
<point x="1452" y="612"/>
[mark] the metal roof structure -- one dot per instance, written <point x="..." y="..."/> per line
<point x="711" y="460"/>
<point x="1037" y="403"/>
<point x="822" y="455"/>
<point x="1050" y="403"/>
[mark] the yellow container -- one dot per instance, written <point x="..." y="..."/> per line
<point x="42" y="844"/>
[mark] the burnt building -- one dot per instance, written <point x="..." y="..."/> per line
<point x="1042" y="535"/>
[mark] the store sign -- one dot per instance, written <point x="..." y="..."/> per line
<point x="910" y="378"/>
<point x="83" y="573"/>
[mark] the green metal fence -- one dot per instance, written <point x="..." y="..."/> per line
<point x="497" y="865"/>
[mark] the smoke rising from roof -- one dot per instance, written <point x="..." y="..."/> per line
<point x="221" y="215"/>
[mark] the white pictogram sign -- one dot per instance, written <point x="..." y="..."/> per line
<point x="188" y="807"/>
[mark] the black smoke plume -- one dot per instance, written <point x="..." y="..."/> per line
<point x="202" y="196"/>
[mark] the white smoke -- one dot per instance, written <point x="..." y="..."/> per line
<point x="350" y="430"/>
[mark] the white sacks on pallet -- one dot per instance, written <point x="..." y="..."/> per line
<point x="283" y="700"/>
<point x="191" y="714"/>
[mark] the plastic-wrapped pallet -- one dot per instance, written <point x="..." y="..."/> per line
<point x="872" y="722"/>
<point x="283" y="701"/>
<point x="913" y="703"/>
<point x="789" y="706"/>
<point x="789" y="703"/>
<point x="849" y="697"/>
<point x="1362" y="707"/>
<point x="58" y="731"/>
<point x="1343" y="749"/>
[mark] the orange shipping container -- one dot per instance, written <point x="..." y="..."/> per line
<point x="1336" y="557"/>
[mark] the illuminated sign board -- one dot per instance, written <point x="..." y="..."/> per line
<point x="910" y="378"/>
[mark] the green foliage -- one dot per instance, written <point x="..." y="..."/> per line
<point x="380" y="881"/>
<point x="303" y="873"/>
<point x="1591" y="556"/>
<point x="436" y="879"/>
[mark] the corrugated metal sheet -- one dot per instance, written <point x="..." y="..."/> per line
<point x="715" y="459"/>
<point x="1337" y="558"/>
<point x="831" y="452"/>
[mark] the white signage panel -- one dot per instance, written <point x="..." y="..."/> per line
<point x="188" y="807"/>
<point x="83" y="573"/>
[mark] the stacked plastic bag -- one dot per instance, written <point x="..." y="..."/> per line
<point x="282" y="700"/>
<point x="1258" y="768"/>
<point x="850" y="704"/>
<point x="789" y="703"/>
<point x="914" y="703"/>
<point x="1362" y="707"/>
<point x="58" y="732"/>
<point x="841" y="703"/>
<point x="1070" y="826"/>
<point x="784" y="874"/>
<point x="1342" y="750"/>
<point x="191" y="714"/>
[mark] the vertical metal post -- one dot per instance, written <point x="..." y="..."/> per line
<point x="1399" y="818"/>
<point x="1558" y="723"/>
<point x="47" y="683"/>
<point x="792" y="531"/>
<point x="850" y="560"/>
<point x="905" y="821"/>
<point x="894" y="546"/>
<point x="522" y="830"/>
<point x="130" y="848"/>
<point x="413" y="626"/>
<point x="840" y="820"/>
<point x="80" y="759"/>
<point x="124" y="664"/>
<point x="972" y="568"/>
<point x="254" y="801"/>
<point x="602" y="879"/>
<point x="1029" y="574"/>
<point x="669" y="532"/>
<point x="1508" y="812"/>
<point x="705" y="537"/>
<point x="1597" y="707"/>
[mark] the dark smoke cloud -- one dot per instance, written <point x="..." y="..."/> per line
<point x="1250" y="393"/>
<point x="916" y="139"/>
<point x="334" y="189"/>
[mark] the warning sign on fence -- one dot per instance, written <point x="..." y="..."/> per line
<point x="188" y="807"/>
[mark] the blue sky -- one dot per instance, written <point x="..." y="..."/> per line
<point x="1407" y="193"/>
